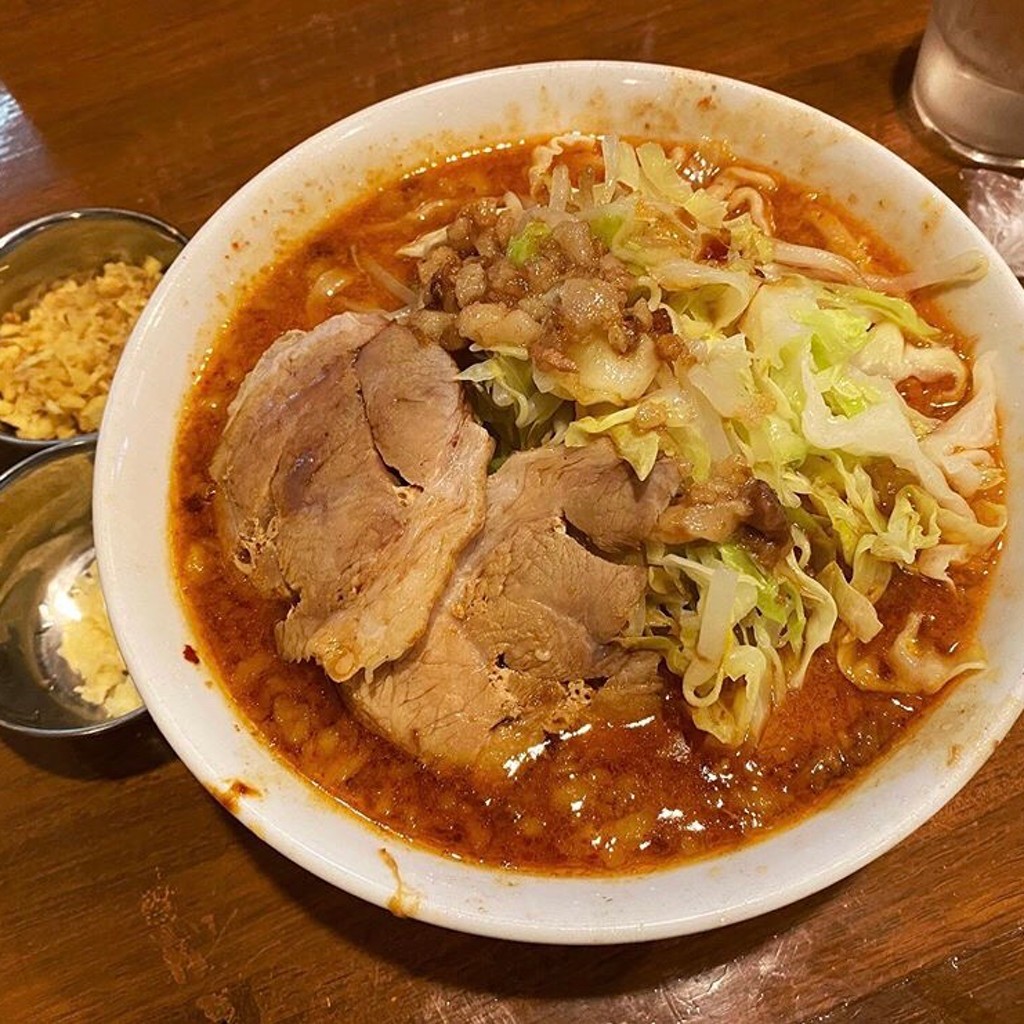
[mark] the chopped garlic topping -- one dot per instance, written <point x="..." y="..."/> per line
<point x="58" y="355"/>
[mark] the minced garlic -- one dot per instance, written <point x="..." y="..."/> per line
<point x="58" y="354"/>
<point x="88" y="646"/>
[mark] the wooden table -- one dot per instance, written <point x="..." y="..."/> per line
<point x="126" y="892"/>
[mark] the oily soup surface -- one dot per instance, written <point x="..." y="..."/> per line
<point x="621" y="795"/>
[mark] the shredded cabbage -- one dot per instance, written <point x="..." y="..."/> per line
<point x="788" y="359"/>
<point x="526" y="244"/>
<point x="509" y="401"/>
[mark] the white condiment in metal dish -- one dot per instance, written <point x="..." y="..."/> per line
<point x="60" y="671"/>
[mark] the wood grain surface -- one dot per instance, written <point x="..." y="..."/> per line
<point x="126" y="892"/>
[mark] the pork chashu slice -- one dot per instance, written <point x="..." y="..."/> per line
<point x="350" y="476"/>
<point x="532" y="610"/>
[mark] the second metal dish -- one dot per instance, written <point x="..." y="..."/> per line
<point x="45" y="543"/>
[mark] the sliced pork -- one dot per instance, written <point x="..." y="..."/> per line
<point x="350" y="476"/>
<point x="526" y="626"/>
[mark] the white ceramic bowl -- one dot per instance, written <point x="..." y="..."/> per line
<point x="290" y="199"/>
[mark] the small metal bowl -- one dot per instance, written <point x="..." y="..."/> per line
<point x="45" y="542"/>
<point x="67" y="244"/>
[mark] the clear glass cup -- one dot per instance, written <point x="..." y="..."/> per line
<point x="969" y="80"/>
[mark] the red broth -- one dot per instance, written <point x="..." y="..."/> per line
<point x="624" y="795"/>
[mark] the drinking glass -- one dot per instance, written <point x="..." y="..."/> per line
<point x="969" y="80"/>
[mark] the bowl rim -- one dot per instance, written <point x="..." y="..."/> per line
<point x="906" y="820"/>
<point x="22" y="233"/>
<point x="10" y="476"/>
